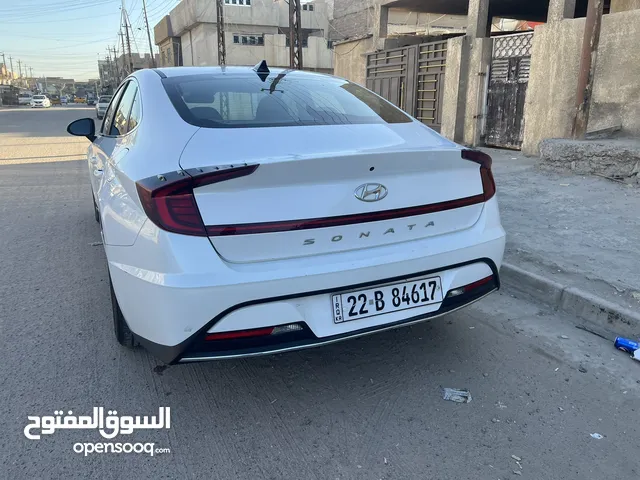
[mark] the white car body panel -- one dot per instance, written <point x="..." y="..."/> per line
<point x="183" y="274"/>
<point x="170" y="286"/>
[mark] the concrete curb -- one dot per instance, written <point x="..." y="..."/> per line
<point x="572" y="300"/>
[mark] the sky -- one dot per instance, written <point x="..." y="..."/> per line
<point x="65" y="38"/>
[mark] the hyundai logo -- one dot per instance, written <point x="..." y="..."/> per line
<point x="371" y="192"/>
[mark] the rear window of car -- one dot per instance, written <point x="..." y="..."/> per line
<point x="104" y="100"/>
<point x="39" y="97"/>
<point x="241" y="100"/>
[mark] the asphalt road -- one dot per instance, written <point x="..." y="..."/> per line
<point x="370" y="408"/>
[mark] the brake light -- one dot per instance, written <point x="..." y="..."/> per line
<point x="169" y="202"/>
<point x="484" y="160"/>
<point x="256" y="332"/>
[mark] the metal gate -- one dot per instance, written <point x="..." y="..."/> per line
<point x="510" y="65"/>
<point x="412" y="78"/>
<point x="391" y="74"/>
<point x="430" y="92"/>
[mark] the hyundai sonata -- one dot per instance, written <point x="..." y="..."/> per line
<point x="247" y="211"/>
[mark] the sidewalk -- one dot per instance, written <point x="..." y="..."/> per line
<point x="572" y="231"/>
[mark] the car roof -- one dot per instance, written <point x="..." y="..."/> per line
<point x="173" y="72"/>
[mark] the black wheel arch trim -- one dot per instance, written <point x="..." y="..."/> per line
<point x="173" y="354"/>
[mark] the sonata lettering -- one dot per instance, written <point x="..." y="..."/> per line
<point x="338" y="238"/>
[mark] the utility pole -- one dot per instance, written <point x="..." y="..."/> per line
<point x="588" y="58"/>
<point x="4" y="63"/>
<point x="295" y="37"/>
<point x="146" y="22"/>
<point x="125" y="17"/>
<point x="222" y="46"/>
<point x="20" y="68"/>
<point x="116" y="68"/>
<point x="124" y="55"/>
<point x="11" y="63"/>
<point x="31" y="70"/>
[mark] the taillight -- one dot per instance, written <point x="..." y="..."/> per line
<point x="254" y="332"/>
<point x="169" y="202"/>
<point x="488" y="183"/>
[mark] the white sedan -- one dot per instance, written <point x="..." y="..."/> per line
<point x="41" y="101"/>
<point x="250" y="211"/>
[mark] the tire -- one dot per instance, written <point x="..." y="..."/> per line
<point x="96" y="212"/>
<point x="124" y="335"/>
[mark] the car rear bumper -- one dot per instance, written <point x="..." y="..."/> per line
<point x="174" y="289"/>
<point x="197" y="348"/>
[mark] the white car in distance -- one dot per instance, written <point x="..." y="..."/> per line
<point x="40" y="101"/>
<point x="247" y="211"/>
<point x="101" y="105"/>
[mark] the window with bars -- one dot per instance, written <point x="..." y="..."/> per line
<point x="239" y="39"/>
<point x="244" y="3"/>
<point x="305" y="42"/>
<point x="308" y="6"/>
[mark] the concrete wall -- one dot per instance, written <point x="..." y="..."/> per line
<point x="194" y="22"/>
<point x="189" y="13"/>
<point x="351" y="18"/>
<point x="162" y="31"/>
<point x="454" y="81"/>
<point x="549" y="108"/>
<point x="624" y="5"/>
<point x="202" y="43"/>
<point x="406" y="21"/>
<point x="350" y="59"/>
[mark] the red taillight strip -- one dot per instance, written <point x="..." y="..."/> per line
<point x="169" y="202"/>
<point x="478" y="283"/>
<point x="256" y="332"/>
<point x="485" y="161"/>
<point x="311" y="223"/>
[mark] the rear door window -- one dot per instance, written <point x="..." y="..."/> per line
<point x="136" y="113"/>
<point x="108" y="116"/>
<point x="120" y="125"/>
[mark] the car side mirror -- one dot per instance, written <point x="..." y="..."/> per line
<point x="85" y="127"/>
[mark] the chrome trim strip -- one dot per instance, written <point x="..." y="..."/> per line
<point x="355" y="335"/>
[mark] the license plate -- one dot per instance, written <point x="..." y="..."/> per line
<point x="389" y="298"/>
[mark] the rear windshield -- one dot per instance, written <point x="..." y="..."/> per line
<point x="287" y="99"/>
<point x="24" y="95"/>
<point x="104" y="100"/>
<point x="39" y="97"/>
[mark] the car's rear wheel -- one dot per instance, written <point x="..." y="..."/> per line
<point x="123" y="334"/>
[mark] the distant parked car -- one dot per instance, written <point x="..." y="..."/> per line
<point x="41" y="101"/>
<point x="25" y="98"/>
<point x="80" y="100"/>
<point x="101" y="106"/>
<point x="55" y="100"/>
<point x="64" y="100"/>
<point x="91" y="101"/>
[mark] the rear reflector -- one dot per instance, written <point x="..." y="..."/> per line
<point x="467" y="288"/>
<point x="169" y="202"/>
<point x="255" y="332"/>
<point x="474" y="285"/>
<point x="484" y="160"/>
